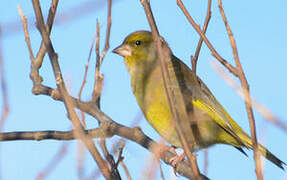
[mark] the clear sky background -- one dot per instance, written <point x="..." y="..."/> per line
<point x="259" y="28"/>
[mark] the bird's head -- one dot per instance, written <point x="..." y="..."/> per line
<point x="138" y="46"/>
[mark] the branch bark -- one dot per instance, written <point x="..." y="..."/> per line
<point x="63" y="91"/>
<point x="246" y="92"/>
<point x="207" y="19"/>
<point x="231" y="68"/>
<point x="173" y="92"/>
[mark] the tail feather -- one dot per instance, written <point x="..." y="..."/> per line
<point x="241" y="150"/>
<point x="267" y="154"/>
<point x="271" y="157"/>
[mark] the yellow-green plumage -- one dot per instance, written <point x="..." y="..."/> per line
<point x="210" y="123"/>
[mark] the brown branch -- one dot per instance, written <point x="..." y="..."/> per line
<point x="81" y="150"/>
<point x="5" y="109"/>
<point x="96" y="96"/>
<point x="174" y="94"/>
<point x="161" y="170"/>
<point x="231" y="68"/>
<point x="26" y="32"/>
<point x="36" y="63"/>
<point x="207" y="19"/>
<point x="107" y="129"/>
<point x="66" y="98"/>
<point x="108" y="32"/>
<point x="133" y="134"/>
<point x="205" y="165"/>
<point x="120" y="146"/>
<point x="85" y="79"/>
<point x="246" y="93"/>
<point x="99" y="86"/>
<point x="114" y="166"/>
<point x="99" y="58"/>
<point x="50" y="21"/>
<point x="54" y="162"/>
<point x="262" y="109"/>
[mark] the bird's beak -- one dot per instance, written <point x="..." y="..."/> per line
<point x="123" y="50"/>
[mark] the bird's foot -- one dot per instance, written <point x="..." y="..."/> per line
<point x="174" y="160"/>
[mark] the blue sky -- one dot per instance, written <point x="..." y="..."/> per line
<point x="259" y="29"/>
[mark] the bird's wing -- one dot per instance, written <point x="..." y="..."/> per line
<point x="202" y="98"/>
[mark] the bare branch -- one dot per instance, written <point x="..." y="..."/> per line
<point x="207" y="19"/>
<point x="108" y="128"/>
<point x="205" y="165"/>
<point x="85" y="79"/>
<point x="98" y="76"/>
<point x="62" y="88"/>
<point x="26" y="32"/>
<point x="134" y="134"/>
<point x="99" y="58"/>
<point x="246" y="93"/>
<point x="50" y="21"/>
<point x="261" y="108"/>
<point x="81" y="151"/>
<point x="108" y="32"/>
<point x="5" y="109"/>
<point x="54" y="162"/>
<point x="207" y="42"/>
<point x="174" y="94"/>
<point x="110" y="159"/>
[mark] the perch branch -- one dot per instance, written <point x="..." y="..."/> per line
<point x="207" y="19"/>
<point x="206" y="41"/>
<point x="174" y="94"/>
<point x="66" y="98"/>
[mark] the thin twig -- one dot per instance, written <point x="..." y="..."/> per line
<point x="160" y="170"/>
<point x="26" y="32"/>
<point x="107" y="129"/>
<point x="36" y="63"/>
<point x="261" y="108"/>
<point x="207" y="19"/>
<point x="153" y="163"/>
<point x="99" y="58"/>
<point x="174" y="94"/>
<point x="5" y="108"/>
<point x="62" y="88"/>
<point x="113" y="165"/>
<point x="151" y="167"/>
<point x="134" y="134"/>
<point x="85" y="79"/>
<point x="205" y="164"/>
<point x="246" y="93"/>
<point x="120" y="145"/>
<point x="81" y="151"/>
<point x="50" y="21"/>
<point x="231" y="68"/>
<point x="96" y="96"/>
<point x="54" y="162"/>
<point x="108" y="32"/>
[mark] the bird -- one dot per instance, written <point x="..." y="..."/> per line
<point x="208" y="121"/>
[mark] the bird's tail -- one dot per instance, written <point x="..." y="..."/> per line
<point x="265" y="152"/>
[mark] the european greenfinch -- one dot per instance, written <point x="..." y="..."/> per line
<point x="210" y="123"/>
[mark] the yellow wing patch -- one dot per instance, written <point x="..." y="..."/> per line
<point x="207" y="109"/>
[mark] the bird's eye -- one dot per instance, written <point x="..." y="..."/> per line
<point x="138" y="42"/>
